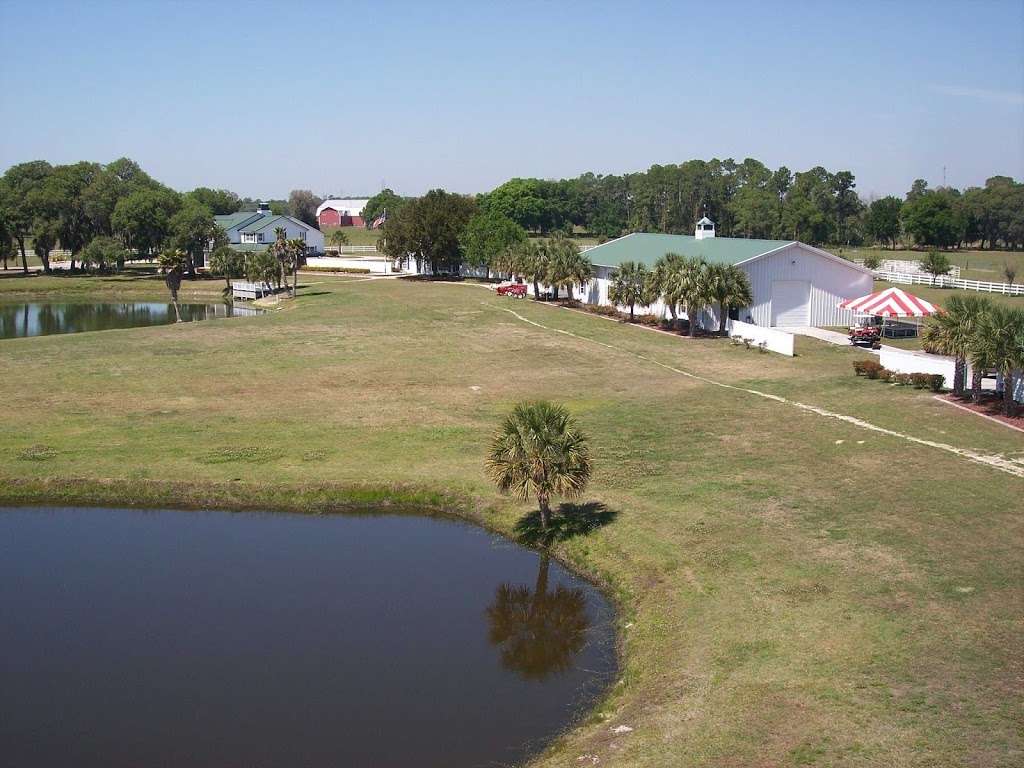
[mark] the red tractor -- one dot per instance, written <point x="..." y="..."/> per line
<point x="515" y="290"/>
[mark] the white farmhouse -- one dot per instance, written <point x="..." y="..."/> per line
<point x="257" y="230"/>
<point x="793" y="284"/>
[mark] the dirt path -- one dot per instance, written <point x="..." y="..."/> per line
<point x="1000" y="463"/>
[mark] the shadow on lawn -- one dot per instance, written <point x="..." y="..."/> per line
<point x="569" y="521"/>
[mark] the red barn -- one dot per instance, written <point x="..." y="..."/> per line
<point x="344" y="212"/>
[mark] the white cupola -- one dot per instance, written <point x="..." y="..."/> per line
<point x="705" y="228"/>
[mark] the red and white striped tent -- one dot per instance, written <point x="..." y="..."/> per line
<point x="892" y="302"/>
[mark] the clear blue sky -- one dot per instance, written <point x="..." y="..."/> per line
<point x="336" y="97"/>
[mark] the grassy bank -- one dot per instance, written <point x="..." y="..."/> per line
<point x="797" y="589"/>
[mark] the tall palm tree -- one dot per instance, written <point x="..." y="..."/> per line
<point x="951" y="332"/>
<point x="663" y="281"/>
<point x="531" y="261"/>
<point x="996" y="344"/>
<point x="279" y="248"/>
<point x="629" y="285"/>
<point x="539" y="452"/>
<point x="729" y="286"/>
<point x="297" y="257"/>
<point x="691" y="288"/>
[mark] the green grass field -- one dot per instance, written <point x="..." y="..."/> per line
<point x="356" y="235"/>
<point x="795" y="589"/>
<point x="974" y="264"/>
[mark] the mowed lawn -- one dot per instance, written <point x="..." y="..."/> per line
<point x="794" y="589"/>
<point x="974" y="264"/>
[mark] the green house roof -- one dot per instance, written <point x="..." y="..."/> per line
<point x="229" y="220"/>
<point x="263" y="222"/>
<point x="647" y="249"/>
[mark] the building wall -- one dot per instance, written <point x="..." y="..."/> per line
<point x="329" y="218"/>
<point x="314" y="237"/>
<point x="830" y="283"/>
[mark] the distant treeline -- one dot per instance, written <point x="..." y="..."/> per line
<point x="749" y="199"/>
<point x="44" y="207"/>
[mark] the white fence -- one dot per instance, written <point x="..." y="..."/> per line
<point x="944" y="281"/>
<point x="772" y="338"/>
<point x="351" y="248"/>
<point x="379" y="266"/>
<point x="907" y="267"/>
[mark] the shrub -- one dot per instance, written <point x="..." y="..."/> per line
<point x="936" y="382"/>
<point x="886" y="375"/>
<point x="903" y="379"/>
<point x="920" y="380"/>
<point x="871" y="368"/>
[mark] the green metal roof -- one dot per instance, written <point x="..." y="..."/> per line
<point x="263" y="222"/>
<point x="647" y="249"/>
<point x="229" y="220"/>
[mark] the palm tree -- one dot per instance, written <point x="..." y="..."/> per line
<point x="173" y="264"/>
<point x="538" y="452"/>
<point x="951" y="332"/>
<point x="996" y="344"/>
<point x="296" y="250"/>
<point x="663" y="280"/>
<point x="629" y="285"/>
<point x="338" y="238"/>
<point x="690" y="287"/>
<point x="279" y="248"/>
<point x="729" y="286"/>
<point x="531" y="260"/>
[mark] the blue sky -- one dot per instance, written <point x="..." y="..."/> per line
<point x="262" y="98"/>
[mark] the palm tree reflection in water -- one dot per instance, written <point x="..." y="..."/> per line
<point x="539" y="631"/>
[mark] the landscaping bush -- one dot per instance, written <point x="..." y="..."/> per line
<point x="920" y="380"/>
<point x="936" y="382"/>
<point x="871" y="368"/>
<point x="903" y="379"/>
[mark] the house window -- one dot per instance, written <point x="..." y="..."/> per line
<point x="259" y="237"/>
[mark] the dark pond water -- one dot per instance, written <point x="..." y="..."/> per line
<point x="44" y="318"/>
<point x="169" y="638"/>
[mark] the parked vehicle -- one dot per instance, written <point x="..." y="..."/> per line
<point x="515" y="290"/>
<point x="866" y="336"/>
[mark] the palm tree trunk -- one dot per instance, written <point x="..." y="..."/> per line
<point x="545" y="510"/>
<point x="721" y="318"/>
<point x="555" y="294"/>
<point x="976" y="383"/>
<point x="24" y="258"/>
<point x="1008" y="405"/>
<point x="959" y="376"/>
<point x="631" y="313"/>
<point x="536" y="290"/>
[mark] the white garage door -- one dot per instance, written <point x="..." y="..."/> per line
<point x="790" y="302"/>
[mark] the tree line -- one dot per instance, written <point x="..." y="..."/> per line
<point x="748" y="199"/>
<point x="101" y="213"/>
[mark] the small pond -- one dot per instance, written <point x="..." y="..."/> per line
<point x="211" y="639"/>
<point x="45" y="318"/>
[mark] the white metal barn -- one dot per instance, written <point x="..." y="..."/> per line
<point x="793" y="284"/>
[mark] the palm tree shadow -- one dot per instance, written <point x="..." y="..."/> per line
<point x="569" y="521"/>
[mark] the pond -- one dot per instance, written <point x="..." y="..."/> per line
<point x="45" y="318"/>
<point x="213" y="638"/>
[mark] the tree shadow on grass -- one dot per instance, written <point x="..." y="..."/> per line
<point x="569" y="521"/>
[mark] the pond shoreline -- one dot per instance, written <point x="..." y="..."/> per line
<point x="318" y="499"/>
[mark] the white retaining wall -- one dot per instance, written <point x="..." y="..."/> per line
<point x="773" y="339"/>
<point x="904" y="361"/>
<point x="382" y="266"/>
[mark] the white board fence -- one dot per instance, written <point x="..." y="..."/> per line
<point x="379" y="266"/>
<point x="773" y="339"/>
<point x="944" y="281"/>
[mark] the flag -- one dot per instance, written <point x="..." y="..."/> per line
<point x="379" y="221"/>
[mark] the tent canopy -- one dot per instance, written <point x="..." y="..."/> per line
<point x="892" y="302"/>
